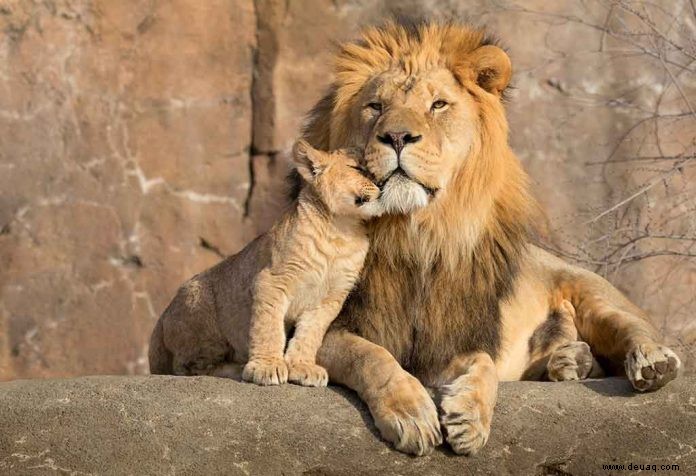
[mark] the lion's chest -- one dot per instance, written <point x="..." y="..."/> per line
<point x="425" y="319"/>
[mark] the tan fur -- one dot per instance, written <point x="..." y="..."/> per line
<point x="451" y="281"/>
<point x="557" y="330"/>
<point x="555" y="351"/>
<point x="296" y="275"/>
<point x="193" y="293"/>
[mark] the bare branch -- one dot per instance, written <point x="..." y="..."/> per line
<point x="678" y="167"/>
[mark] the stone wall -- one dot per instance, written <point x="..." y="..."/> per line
<point x="142" y="140"/>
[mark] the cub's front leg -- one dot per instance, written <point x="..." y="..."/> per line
<point x="302" y="349"/>
<point x="467" y="398"/>
<point x="266" y="365"/>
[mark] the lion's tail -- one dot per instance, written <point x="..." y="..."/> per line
<point x="160" y="358"/>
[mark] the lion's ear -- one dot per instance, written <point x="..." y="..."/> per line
<point x="309" y="161"/>
<point x="492" y="68"/>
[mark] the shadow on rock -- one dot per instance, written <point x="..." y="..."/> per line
<point x="611" y="387"/>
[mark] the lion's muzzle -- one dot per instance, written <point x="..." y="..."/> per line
<point x="401" y="194"/>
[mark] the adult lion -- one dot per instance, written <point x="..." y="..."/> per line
<point x="453" y="294"/>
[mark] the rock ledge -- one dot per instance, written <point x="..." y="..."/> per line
<point x="158" y="425"/>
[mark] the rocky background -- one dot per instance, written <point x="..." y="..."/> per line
<point x="142" y="140"/>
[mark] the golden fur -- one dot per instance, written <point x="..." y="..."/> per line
<point x="298" y="274"/>
<point x="452" y="290"/>
<point x="556" y="354"/>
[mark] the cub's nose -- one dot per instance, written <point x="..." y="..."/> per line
<point x="398" y="140"/>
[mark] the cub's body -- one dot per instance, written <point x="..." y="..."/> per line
<point x="309" y="274"/>
<point x="296" y="275"/>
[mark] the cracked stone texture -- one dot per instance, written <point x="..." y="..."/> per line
<point x="124" y="168"/>
<point x="158" y="425"/>
<point x="142" y="140"/>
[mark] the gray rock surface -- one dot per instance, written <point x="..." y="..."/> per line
<point x="174" y="425"/>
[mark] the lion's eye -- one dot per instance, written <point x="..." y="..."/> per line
<point x="438" y="104"/>
<point x="375" y="106"/>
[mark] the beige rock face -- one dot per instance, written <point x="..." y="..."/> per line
<point x="124" y="169"/>
<point x="140" y="141"/>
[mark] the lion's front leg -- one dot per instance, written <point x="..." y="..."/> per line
<point x="401" y="407"/>
<point x="467" y="399"/>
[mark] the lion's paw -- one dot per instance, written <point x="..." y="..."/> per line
<point x="571" y="361"/>
<point x="466" y="418"/>
<point x="406" y="416"/>
<point x="650" y="366"/>
<point x="307" y="374"/>
<point x="266" y="371"/>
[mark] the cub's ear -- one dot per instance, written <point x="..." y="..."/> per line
<point x="309" y="161"/>
<point x="492" y="68"/>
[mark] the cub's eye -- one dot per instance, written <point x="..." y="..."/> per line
<point x="361" y="200"/>
<point x="375" y="106"/>
<point x="438" y="104"/>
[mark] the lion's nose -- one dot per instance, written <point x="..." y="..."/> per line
<point x="398" y="140"/>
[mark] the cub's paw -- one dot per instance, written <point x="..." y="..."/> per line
<point x="650" y="366"/>
<point x="406" y="416"/>
<point x="571" y="361"/>
<point x="308" y="374"/>
<point x="266" y="371"/>
<point x="466" y="418"/>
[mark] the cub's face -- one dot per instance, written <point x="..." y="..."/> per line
<point x="417" y="131"/>
<point x="341" y="182"/>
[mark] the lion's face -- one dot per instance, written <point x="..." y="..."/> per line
<point x="416" y="131"/>
<point x="415" y="101"/>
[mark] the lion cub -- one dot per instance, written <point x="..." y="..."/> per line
<point x="318" y="253"/>
<point x="298" y="274"/>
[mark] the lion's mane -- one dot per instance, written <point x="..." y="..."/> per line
<point x="469" y="242"/>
